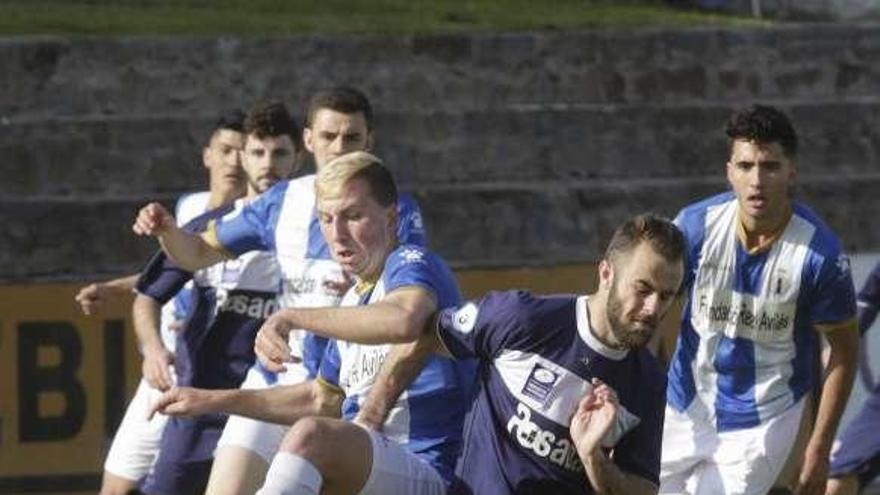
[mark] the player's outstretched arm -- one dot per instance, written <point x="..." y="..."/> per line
<point x="281" y="405"/>
<point x="91" y="297"/>
<point x="593" y="418"/>
<point x="189" y="251"/>
<point x="843" y="339"/>
<point x="399" y="317"/>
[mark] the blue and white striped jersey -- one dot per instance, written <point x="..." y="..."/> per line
<point x="747" y="350"/>
<point x="428" y="416"/>
<point x="283" y="220"/>
<point x="537" y="356"/>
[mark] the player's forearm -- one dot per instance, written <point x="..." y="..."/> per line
<point x="145" y="318"/>
<point x="836" y="388"/>
<point x="372" y="324"/>
<point x="401" y="367"/>
<point x="122" y="285"/>
<point x="282" y="405"/>
<point x="607" y="479"/>
<point x="189" y="251"/>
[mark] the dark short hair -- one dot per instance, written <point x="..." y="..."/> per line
<point x="659" y="232"/>
<point x="272" y="120"/>
<point x="763" y="124"/>
<point x="342" y="99"/>
<point x="230" y="120"/>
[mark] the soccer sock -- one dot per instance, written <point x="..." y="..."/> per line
<point x="290" y="474"/>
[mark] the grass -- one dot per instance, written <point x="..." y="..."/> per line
<point x="261" y="17"/>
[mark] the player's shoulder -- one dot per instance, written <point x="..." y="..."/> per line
<point x="696" y="212"/>
<point x="824" y="241"/>
<point x="190" y="205"/>
<point x="413" y="254"/>
<point x="526" y="307"/>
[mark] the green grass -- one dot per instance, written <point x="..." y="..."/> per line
<point x="262" y="17"/>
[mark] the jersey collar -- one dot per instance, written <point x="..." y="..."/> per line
<point x="587" y="335"/>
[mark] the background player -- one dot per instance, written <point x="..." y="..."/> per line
<point x="855" y="459"/>
<point x="763" y="275"/>
<point x="136" y="442"/>
<point x="231" y="300"/>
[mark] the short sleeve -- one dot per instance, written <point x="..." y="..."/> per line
<point x="410" y="228"/>
<point x="161" y="279"/>
<point x="482" y="329"/>
<point x="638" y="452"/>
<point x="251" y="226"/>
<point x="834" y="294"/>
<point x="330" y="364"/>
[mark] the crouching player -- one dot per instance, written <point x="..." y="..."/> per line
<point x="398" y="288"/>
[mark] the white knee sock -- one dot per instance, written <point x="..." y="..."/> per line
<point x="290" y="474"/>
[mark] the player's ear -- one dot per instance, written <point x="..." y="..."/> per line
<point x="206" y="157"/>
<point x="368" y="144"/>
<point x="307" y="140"/>
<point x="392" y="218"/>
<point x="606" y="274"/>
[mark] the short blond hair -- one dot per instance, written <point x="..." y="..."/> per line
<point x="357" y="165"/>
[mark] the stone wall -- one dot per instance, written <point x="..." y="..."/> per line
<point x="522" y="148"/>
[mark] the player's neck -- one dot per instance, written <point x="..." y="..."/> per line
<point x="597" y="317"/>
<point x="757" y="236"/>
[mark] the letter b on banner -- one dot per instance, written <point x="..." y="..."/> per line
<point x="35" y="341"/>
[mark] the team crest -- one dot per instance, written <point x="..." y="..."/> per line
<point x="412" y="255"/>
<point x="540" y="383"/>
<point x="464" y="318"/>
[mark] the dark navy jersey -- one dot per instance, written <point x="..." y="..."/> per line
<point x="869" y="300"/>
<point x="537" y="358"/>
<point x="215" y="348"/>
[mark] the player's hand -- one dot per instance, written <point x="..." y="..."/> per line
<point x="91" y="297"/>
<point x="153" y="219"/>
<point x="184" y="401"/>
<point x="271" y="342"/>
<point x="593" y="418"/>
<point x="814" y="473"/>
<point x="157" y="367"/>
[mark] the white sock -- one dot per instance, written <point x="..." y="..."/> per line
<point x="291" y="474"/>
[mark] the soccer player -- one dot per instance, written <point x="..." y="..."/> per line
<point x="398" y="289"/>
<point x="135" y="444"/>
<point x="283" y="221"/>
<point x="569" y="400"/>
<point x="231" y="300"/>
<point x="855" y="459"/>
<point x="765" y="277"/>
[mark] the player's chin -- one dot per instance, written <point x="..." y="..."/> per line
<point x="638" y="335"/>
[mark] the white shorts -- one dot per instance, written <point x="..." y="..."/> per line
<point x="397" y="470"/>
<point x="136" y="443"/>
<point x="260" y="437"/>
<point x="698" y="460"/>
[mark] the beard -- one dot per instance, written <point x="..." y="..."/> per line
<point x="629" y="332"/>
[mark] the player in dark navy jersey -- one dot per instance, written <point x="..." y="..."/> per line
<point x="230" y="301"/>
<point x="855" y="458"/>
<point x="570" y="401"/>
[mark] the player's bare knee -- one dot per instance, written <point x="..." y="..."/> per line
<point x="309" y="438"/>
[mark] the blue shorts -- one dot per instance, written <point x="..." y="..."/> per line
<point x="857" y="450"/>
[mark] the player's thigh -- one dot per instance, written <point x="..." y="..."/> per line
<point x="748" y="461"/>
<point x="236" y="471"/>
<point x="259" y="437"/>
<point x="686" y="444"/>
<point x="396" y="470"/>
<point x="136" y="442"/>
